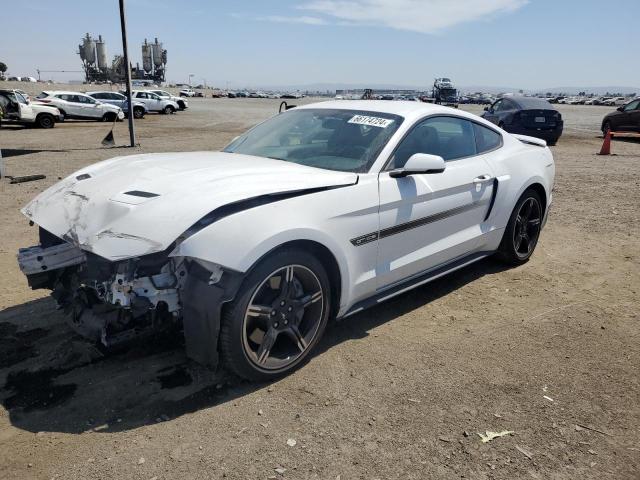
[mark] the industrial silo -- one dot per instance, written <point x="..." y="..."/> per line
<point x="146" y="56"/>
<point x="89" y="48"/>
<point x="101" y="53"/>
<point x="157" y="53"/>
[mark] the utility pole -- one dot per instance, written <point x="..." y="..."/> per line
<point x="127" y="66"/>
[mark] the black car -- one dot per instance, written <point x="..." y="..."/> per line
<point x="526" y="116"/>
<point x="625" y="119"/>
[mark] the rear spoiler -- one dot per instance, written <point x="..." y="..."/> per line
<point x="530" y="140"/>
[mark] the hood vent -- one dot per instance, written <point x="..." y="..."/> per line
<point x="140" y="193"/>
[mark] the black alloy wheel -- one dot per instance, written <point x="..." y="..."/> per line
<point x="278" y="317"/>
<point x="523" y="230"/>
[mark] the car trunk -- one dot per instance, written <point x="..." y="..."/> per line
<point x="538" y="118"/>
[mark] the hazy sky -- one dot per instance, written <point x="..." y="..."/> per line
<point x="515" y="43"/>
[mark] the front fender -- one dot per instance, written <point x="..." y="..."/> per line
<point x="240" y="241"/>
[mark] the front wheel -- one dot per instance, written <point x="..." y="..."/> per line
<point x="109" y="117"/>
<point x="523" y="230"/>
<point x="168" y="109"/>
<point x="606" y="126"/>
<point x="278" y="316"/>
<point x="138" y="112"/>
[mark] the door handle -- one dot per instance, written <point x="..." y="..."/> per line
<point x="483" y="178"/>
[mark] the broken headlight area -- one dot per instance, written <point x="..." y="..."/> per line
<point x="108" y="302"/>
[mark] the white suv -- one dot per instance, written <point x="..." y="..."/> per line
<point x="80" y="106"/>
<point x="14" y="107"/>
<point x="187" y="92"/>
<point x="182" y="102"/>
<point x="154" y="102"/>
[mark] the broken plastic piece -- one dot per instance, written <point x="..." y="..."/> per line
<point x="491" y="435"/>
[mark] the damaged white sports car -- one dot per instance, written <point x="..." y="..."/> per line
<point x="318" y="212"/>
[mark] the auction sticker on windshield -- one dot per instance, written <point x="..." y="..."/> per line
<point x="371" y="121"/>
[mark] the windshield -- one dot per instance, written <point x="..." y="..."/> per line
<point x="344" y="140"/>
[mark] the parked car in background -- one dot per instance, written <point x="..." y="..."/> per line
<point x="596" y="101"/>
<point x="154" y="102"/>
<point x="15" y="108"/>
<point x="319" y="212"/>
<point x="527" y="116"/>
<point x="120" y="100"/>
<point x="616" y="101"/>
<point x="75" y="105"/>
<point x="625" y="119"/>
<point x="183" y="104"/>
<point x="187" y="92"/>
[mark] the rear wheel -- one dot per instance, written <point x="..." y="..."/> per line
<point x="44" y="120"/>
<point x="278" y="317"/>
<point x="181" y="105"/>
<point x="138" y="112"/>
<point x="523" y="230"/>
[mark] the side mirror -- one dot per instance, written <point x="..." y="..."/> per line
<point x="419" y="163"/>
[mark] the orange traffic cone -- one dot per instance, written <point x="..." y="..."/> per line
<point x="606" y="145"/>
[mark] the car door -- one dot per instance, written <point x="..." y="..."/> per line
<point x="92" y="107"/>
<point x="156" y="101"/>
<point x="26" y="112"/>
<point x="428" y="220"/>
<point x="630" y="116"/>
<point x="492" y="113"/>
<point x="71" y="105"/>
<point x="142" y="97"/>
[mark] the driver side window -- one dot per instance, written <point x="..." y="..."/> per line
<point x="449" y="137"/>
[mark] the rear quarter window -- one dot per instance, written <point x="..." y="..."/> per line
<point x="486" y="138"/>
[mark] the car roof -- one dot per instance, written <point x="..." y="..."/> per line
<point x="62" y="92"/>
<point x="407" y="109"/>
<point x="530" y="102"/>
<point x="101" y="91"/>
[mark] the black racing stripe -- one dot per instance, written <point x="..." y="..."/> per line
<point x="403" y="227"/>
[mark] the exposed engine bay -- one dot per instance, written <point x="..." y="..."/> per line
<point x="115" y="302"/>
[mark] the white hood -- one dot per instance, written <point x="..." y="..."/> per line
<point x="170" y="192"/>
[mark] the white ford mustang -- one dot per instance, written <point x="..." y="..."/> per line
<point x="318" y="212"/>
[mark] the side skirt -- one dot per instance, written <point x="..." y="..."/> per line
<point x="415" y="282"/>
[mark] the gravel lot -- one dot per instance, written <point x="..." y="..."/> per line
<point x="549" y="350"/>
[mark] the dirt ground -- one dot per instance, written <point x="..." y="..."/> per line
<point x="549" y="350"/>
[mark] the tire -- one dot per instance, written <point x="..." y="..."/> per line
<point x="181" y="106"/>
<point x="138" y="112"/>
<point x="606" y="126"/>
<point x="63" y="116"/>
<point x="109" y="117"/>
<point x="519" y="241"/>
<point x="44" y="120"/>
<point x="291" y="317"/>
<point x="168" y="110"/>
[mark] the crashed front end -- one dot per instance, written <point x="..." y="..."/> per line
<point x="115" y="303"/>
